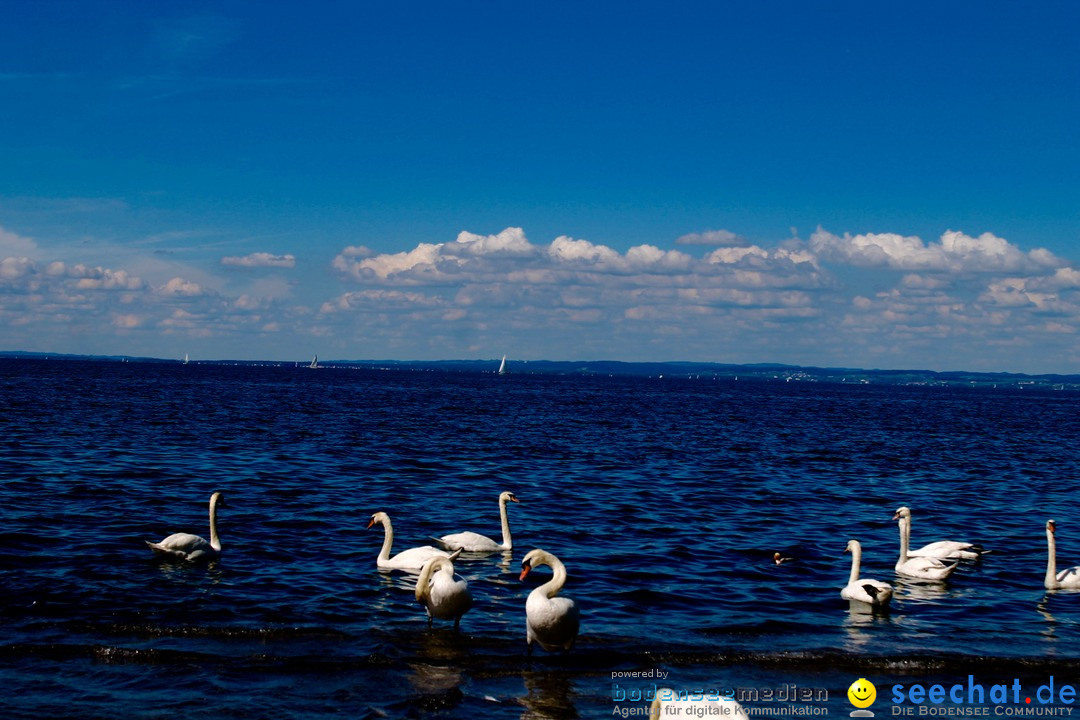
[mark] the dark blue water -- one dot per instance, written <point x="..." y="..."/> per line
<point x="665" y="498"/>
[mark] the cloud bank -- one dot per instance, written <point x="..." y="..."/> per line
<point x="871" y="299"/>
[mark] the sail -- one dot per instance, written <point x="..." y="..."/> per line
<point x="502" y="366"/>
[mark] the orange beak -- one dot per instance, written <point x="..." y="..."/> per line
<point x="525" y="571"/>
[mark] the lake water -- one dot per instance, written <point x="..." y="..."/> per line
<point x="664" y="497"/>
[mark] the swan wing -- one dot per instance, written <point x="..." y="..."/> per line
<point x="449" y="597"/>
<point x="1069" y="578"/>
<point x="926" y="568"/>
<point x="949" y="550"/>
<point x="183" y="545"/>
<point x="412" y="559"/>
<point x="468" y="541"/>
<point x="871" y="592"/>
<point x="552" y="622"/>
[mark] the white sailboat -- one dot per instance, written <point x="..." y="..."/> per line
<point x="502" y="366"/>
<point x="314" y="363"/>
<point x="185" y="358"/>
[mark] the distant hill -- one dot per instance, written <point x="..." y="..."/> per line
<point x="762" y="372"/>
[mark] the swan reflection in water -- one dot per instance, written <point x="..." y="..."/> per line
<point x="920" y="590"/>
<point x="548" y="696"/>
<point x="859" y="628"/>
<point x="429" y="679"/>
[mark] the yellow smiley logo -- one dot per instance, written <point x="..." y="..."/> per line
<point x="862" y="693"/>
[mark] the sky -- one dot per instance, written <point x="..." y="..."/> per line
<point x="840" y="184"/>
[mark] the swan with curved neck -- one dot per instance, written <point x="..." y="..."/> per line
<point x="942" y="549"/>
<point x="549" y="620"/>
<point x="445" y="595"/>
<point x="412" y="559"/>
<point x="1066" y="579"/>
<point x="475" y="542"/>
<point x="185" y="546"/>
<point x="874" y="593"/>
<point x="924" y="568"/>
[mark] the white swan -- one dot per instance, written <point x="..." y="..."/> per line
<point x="412" y="559"/>
<point x="475" y="542"/>
<point x="1067" y="579"/>
<point x="942" y="549"/>
<point x="185" y="546"/>
<point x="445" y="595"/>
<point x="874" y="593"/>
<point x="925" y="568"/>
<point x="551" y="621"/>
<point x="668" y="703"/>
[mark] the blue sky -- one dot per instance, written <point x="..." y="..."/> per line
<point x="840" y="184"/>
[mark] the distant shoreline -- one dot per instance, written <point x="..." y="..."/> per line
<point x="674" y="370"/>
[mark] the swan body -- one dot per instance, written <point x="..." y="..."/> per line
<point x="445" y="595"/>
<point x="1066" y="579"/>
<point x="550" y="621"/>
<point x="924" y="568"/>
<point x="185" y="546"/>
<point x="668" y="703"/>
<point x="475" y="542"/>
<point x="942" y="549"/>
<point x="874" y="593"/>
<point x="412" y="559"/>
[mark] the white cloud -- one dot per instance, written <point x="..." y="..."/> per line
<point x="712" y="237"/>
<point x="510" y="241"/>
<point x="955" y="252"/>
<point x="126" y="321"/>
<point x="568" y="250"/>
<point x="181" y="288"/>
<point x="13" y="268"/>
<point x="260" y="259"/>
<point x="833" y="299"/>
<point x="16" y="245"/>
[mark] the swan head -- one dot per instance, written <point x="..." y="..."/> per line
<point x="534" y="558"/>
<point x="901" y="513"/>
<point x="852" y="546"/>
<point x="1051" y="527"/>
<point x="218" y="499"/>
<point x="379" y="518"/>
<point x="508" y="496"/>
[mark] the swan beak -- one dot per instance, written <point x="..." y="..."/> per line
<point x="525" y="571"/>
<point x="896" y="516"/>
<point x="514" y="499"/>
<point x="370" y="524"/>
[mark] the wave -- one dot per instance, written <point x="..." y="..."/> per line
<point x="327" y="650"/>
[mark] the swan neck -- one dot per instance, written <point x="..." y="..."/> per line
<point x="504" y="518"/>
<point x="215" y="541"/>
<point x="552" y="587"/>
<point x="388" y="540"/>
<point x="905" y="539"/>
<point x="856" y="561"/>
<point x="423" y="582"/>
<point x="1051" y="561"/>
